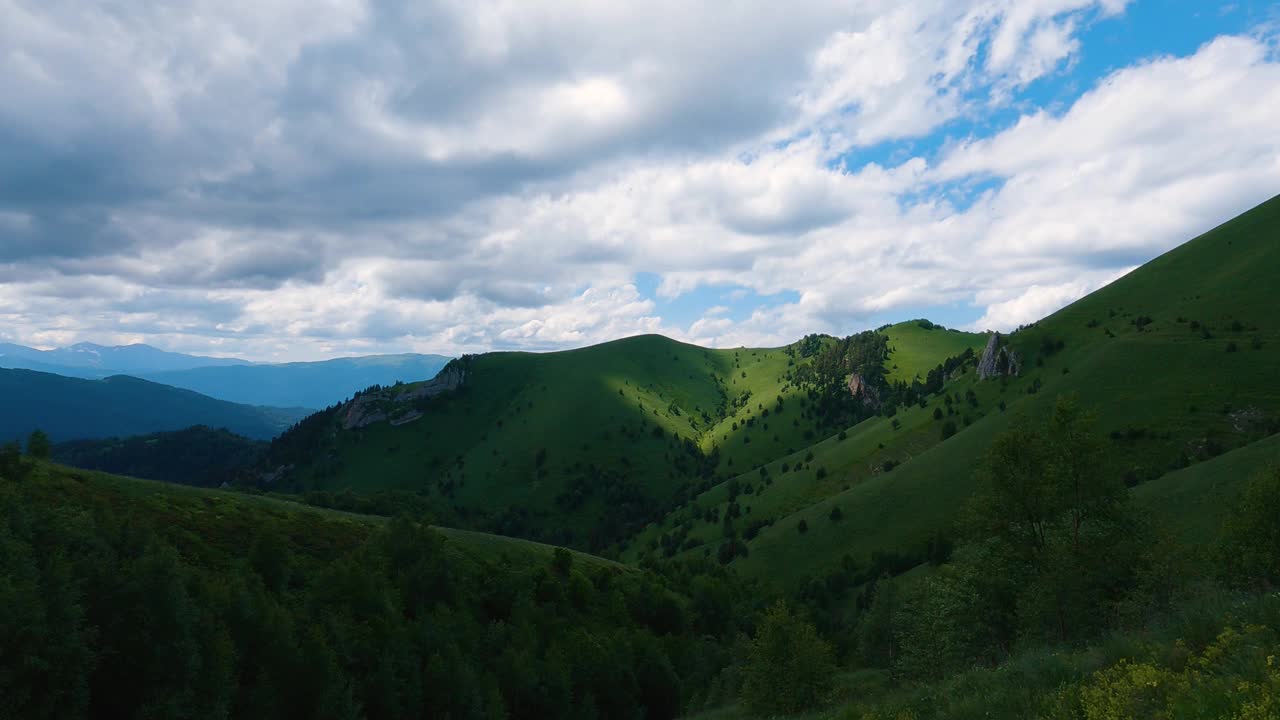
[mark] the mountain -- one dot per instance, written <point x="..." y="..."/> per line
<point x="119" y="406"/>
<point x="648" y="443"/>
<point x="90" y="360"/>
<point x="1177" y="359"/>
<point x="787" y="527"/>
<point x="582" y="447"/>
<point x="302" y="384"/>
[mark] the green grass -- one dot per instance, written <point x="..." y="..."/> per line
<point x="627" y="408"/>
<point x="916" y="349"/>
<point x="1193" y="502"/>
<point x="212" y="526"/>
<point x="1170" y="395"/>
<point x="1177" y="359"/>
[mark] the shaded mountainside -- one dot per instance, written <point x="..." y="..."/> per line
<point x="586" y="446"/>
<point x="197" y="455"/>
<point x="121" y="406"/>
<point x="1178" y="359"/>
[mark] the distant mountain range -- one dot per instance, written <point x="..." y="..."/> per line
<point x="119" y="406"/>
<point x="90" y="360"/>
<point x="311" y="385"/>
<point x="314" y="385"/>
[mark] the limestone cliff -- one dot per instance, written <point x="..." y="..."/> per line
<point x="862" y="390"/>
<point x="998" y="359"/>
<point x="399" y="404"/>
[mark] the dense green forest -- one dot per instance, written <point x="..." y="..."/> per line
<point x="127" y="598"/>
<point x="123" y="599"/>
<point x="197" y="455"/>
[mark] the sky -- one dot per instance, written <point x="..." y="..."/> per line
<point x="302" y="179"/>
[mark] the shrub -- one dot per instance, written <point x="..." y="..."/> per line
<point x="38" y="445"/>
<point x="948" y="429"/>
<point x="803" y="527"/>
<point x="789" y="667"/>
<point x="11" y="465"/>
<point x="1250" y="545"/>
<point x="562" y="562"/>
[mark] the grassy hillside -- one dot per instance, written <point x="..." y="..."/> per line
<point x="1192" y="503"/>
<point x="580" y="447"/>
<point x="216" y="524"/>
<point x="72" y="408"/>
<point x="1177" y="359"/>
<point x="613" y="428"/>
<point x="918" y="345"/>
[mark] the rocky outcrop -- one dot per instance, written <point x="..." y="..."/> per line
<point x="998" y="359"/>
<point x="362" y="412"/>
<point x="448" y="380"/>
<point x="397" y="404"/>
<point x="862" y="390"/>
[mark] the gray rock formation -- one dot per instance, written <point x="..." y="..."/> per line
<point x="448" y="380"/>
<point x="998" y="359"/>
<point x="862" y="390"/>
<point x="395" y="403"/>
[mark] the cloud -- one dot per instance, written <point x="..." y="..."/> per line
<point x="286" y="180"/>
<point x="1031" y="305"/>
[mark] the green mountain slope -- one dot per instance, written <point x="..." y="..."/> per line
<point x="1177" y="359"/>
<point x="1193" y="502"/>
<point x="72" y="408"/>
<point x="581" y="447"/>
<point x="916" y="346"/>
<point x="218" y="523"/>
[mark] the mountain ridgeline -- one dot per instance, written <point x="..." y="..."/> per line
<point x="120" y="406"/>
<point x="311" y="385"/>
<point x="586" y="447"/>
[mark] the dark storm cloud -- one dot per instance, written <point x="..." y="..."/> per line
<point x="63" y="232"/>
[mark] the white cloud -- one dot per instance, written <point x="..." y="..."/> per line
<point x="1031" y="305"/>
<point x="262" y="179"/>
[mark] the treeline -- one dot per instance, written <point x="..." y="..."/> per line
<point x="826" y="379"/>
<point x="198" y="455"/>
<point x="213" y="606"/>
